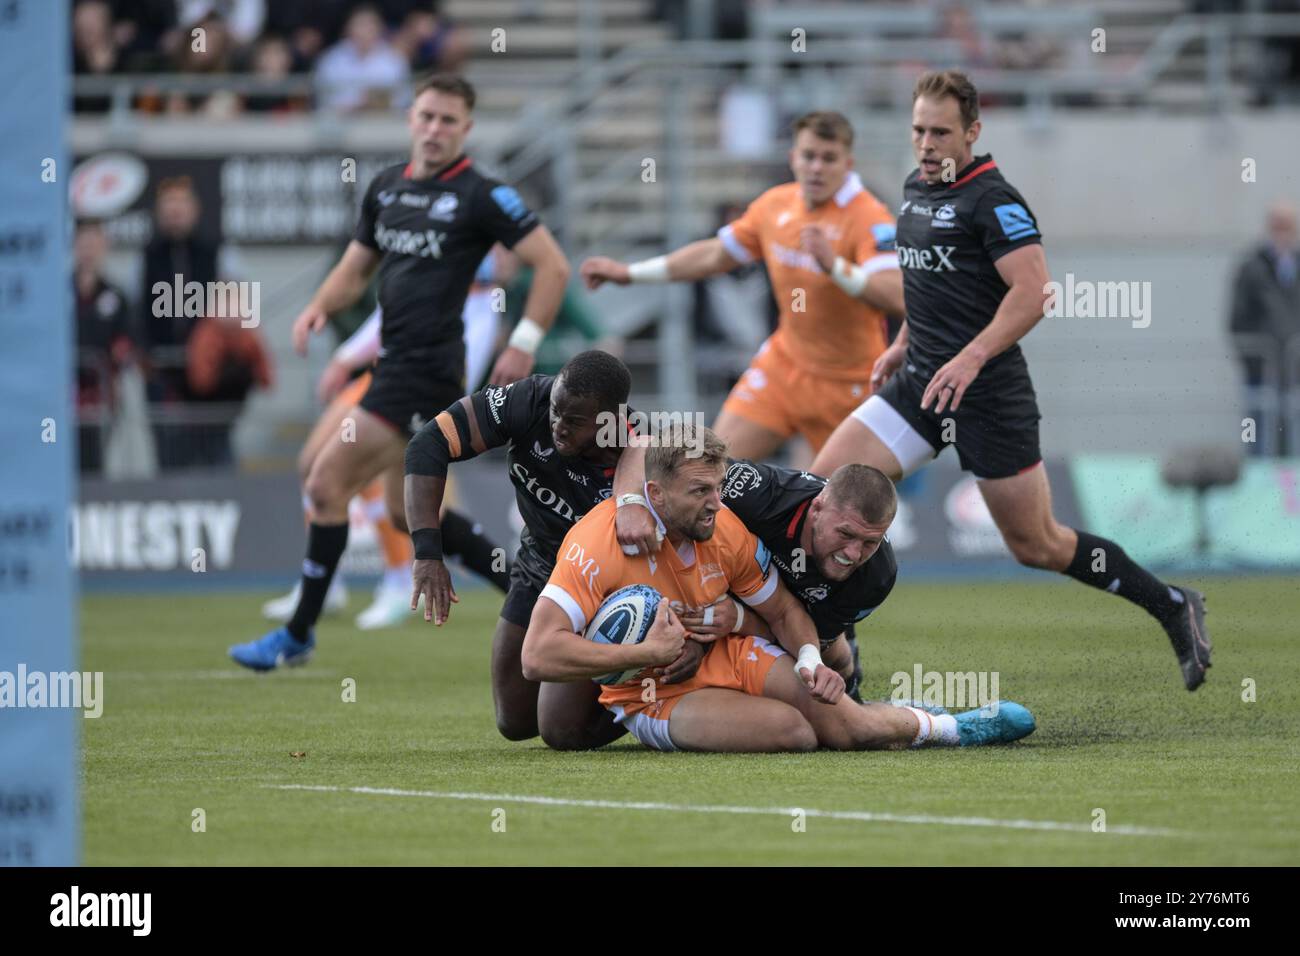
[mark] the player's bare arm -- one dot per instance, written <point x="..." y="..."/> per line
<point x="795" y="632"/>
<point x="423" y="496"/>
<point x="698" y="260"/>
<point x="553" y="651"/>
<point x="1025" y="273"/>
<point x="634" y="523"/>
<point x="342" y="287"/>
<point x="550" y="275"/>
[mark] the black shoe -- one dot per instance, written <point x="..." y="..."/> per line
<point x="1191" y="640"/>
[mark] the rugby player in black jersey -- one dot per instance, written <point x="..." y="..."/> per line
<point x="975" y="281"/>
<point x="562" y="447"/>
<point x="827" y="540"/>
<point x="425" y="225"/>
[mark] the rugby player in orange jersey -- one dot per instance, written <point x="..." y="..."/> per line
<point x="828" y="245"/>
<point x="749" y="694"/>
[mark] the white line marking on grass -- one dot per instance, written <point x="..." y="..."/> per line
<point x="242" y="673"/>
<point x="864" y="816"/>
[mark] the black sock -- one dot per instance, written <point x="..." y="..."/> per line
<point x="325" y="546"/>
<point x="463" y="538"/>
<point x="1119" y="574"/>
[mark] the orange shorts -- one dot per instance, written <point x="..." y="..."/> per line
<point x="783" y="398"/>
<point x="352" y="392"/>
<point x="736" y="662"/>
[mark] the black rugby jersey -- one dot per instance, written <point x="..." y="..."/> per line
<point x="948" y="237"/>
<point x="433" y="233"/>
<point x="552" y="491"/>
<point x="773" y="503"/>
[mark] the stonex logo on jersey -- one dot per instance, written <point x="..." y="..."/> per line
<point x="934" y="259"/>
<point x="406" y="242"/>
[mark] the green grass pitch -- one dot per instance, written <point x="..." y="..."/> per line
<point x="1204" y="778"/>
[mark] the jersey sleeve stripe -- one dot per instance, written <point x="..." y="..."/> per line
<point x="763" y="593"/>
<point x="733" y="246"/>
<point x="880" y="263"/>
<point x="562" y="597"/>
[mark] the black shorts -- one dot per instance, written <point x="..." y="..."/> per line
<point x="409" y="394"/>
<point x="528" y="575"/>
<point x="995" y="430"/>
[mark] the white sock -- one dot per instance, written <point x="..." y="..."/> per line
<point x="398" y="578"/>
<point x="936" y="731"/>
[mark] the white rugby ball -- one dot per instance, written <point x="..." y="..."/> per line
<point x="623" y="618"/>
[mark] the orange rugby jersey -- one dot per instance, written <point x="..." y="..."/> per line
<point x="835" y="334"/>
<point x="590" y="566"/>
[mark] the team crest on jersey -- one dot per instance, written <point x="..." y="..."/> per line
<point x="740" y="478"/>
<point x="444" y="207"/>
<point x="946" y="212"/>
<point x="815" y="594"/>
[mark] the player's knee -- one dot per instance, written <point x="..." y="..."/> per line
<point x="562" y="737"/>
<point x="796" y="734"/>
<point x="515" y="726"/>
<point x="322" y="491"/>
<point x="1030" y="549"/>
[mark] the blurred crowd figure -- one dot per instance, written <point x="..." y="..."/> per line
<point x="1265" y="322"/>
<point x="160" y="388"/>
<point x="359" y="55"/>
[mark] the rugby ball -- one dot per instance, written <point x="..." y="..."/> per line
<point x="623" y="618"/>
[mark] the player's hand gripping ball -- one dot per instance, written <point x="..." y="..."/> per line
<point x="625" y="617"/>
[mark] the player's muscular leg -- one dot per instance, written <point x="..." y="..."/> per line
<point x="746" y="439"/>
<point x="395" y="497"/>
<point x="363" y="447"/>
<point x="1021" y="506"/>
<point x="570" y="717"/>
<point x="514" y="698"/>
<point x="719" y="720"/>
<point x="854" y="443"/>
<point x="839" y="656"/>
<point x="844" y="725"/>
<point x="328" y="426"/>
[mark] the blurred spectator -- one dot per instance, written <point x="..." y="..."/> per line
<point x="175" y="254"/>
<point x="206" y="48"/>
<point x="224" y="362"/>
<point x="104" y="342"/>
<point x="430" y="42"/>
<point x="1266" y="299"/>
<point x="244" y="19"/>
<point x="95" y="50"/>
<point x="273" y="60"/>
<point x="362" y="71"/>
<point x="309" y="25"/>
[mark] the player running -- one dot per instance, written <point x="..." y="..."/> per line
<point x="561" y="457"/>
<point x="749" y="694"/>
<point x="827" y="540"/>
<point x="341" y="391"/>
<point x="828" y="246"/>
<point x="425" y="226"/>
<point x="975" y="279"/>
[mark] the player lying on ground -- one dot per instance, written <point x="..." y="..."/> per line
<point x="827" y="540"/>
<point x="425" y="225"/>
<point x="552" y="429"/>
<point x="975" y="280"/>
<point x="828" y="246"/>
<point x="340" y="391"/>
<point x="748" y="694"/>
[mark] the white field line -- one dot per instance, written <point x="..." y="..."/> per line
<point x="232" y="674"/>
<point x="863" y="816"/>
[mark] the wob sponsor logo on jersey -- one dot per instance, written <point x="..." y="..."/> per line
<point x="741" y="477"/>
<point x="496" y="397"/>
